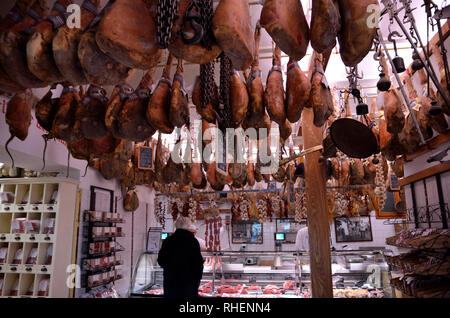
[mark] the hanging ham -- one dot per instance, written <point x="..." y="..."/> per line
<point x="194" y="53"/>
<point x="256" y="109"/>
<point x="18" y="118"/>
<point x="131" y="202"/>
<point x="179" y="100"/>
<point x="65" y="116"/>
<point x="207" y="113"/>
<point x="39" y="47"/>
<point x="285" y="22"/>
<point x="239" y="99"/>
<point x="298" y="88"/>
<point x="15" y="16"/>
<point x="118" y="97"/>
<point x="127" y="33"/>
<point x="274" y="93"/>
<point x="233" y="31"/>
<point x="131" y="122"/>
<point x="159" y="103"/>
<point x="65" y="44"/>
<point x="325" y="24"/>
<point x="13" y="49"/>
<point x="357" y="30"/>
<point x="320" y="97"/>
<point x="90" y="116"/>
<point x="99" y="68"/>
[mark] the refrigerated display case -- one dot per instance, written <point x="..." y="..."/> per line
<point x="269" y="274"/>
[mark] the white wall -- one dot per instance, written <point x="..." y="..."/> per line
<point x="28" y="154"/>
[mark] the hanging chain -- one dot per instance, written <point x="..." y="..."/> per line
<point x="206" y="15"/>
<point x="224" y="110"/>
<point x="167" y="14"/>
<point x="207" y="84"/>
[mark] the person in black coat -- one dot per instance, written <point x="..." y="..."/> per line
<point x="182" y="262"/>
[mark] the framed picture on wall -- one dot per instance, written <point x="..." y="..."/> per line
<point x="353" y="229"/>
<point x="394" y="205"/>
<point x="247" y="232"/>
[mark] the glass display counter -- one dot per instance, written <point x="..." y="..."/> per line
<point x="269" y="274"/>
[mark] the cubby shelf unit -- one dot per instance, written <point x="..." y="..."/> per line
<point x="49" y="204"/>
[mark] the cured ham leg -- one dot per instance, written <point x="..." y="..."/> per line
<point x="13" y="51"/>
<point x="392" y="105"/>
<point x="39" y="48"/>
<point x="118" y="97"/>
<point x="232" y="28"/>
<point x="65" y="116"/>
<point x="127" y="33"/>
<point x="179" y="106"/>
<point x="357" y="30"/>
<point x="207" y="113"/>
<point x="325" y="24"/>
<point x="90" y="116"/>
<point x="14" y="16"/>
<point x="159" y="104"/>
<point x="437" y="122"/>
<point x="196" y="53"/>
<point x="256" y="109"/>
<point x="274" y="93"/>
<point x="131" y="122"/>
<point x="298" y="89"/>
<point x="65" y="45"/>
<point x="285" y="22"/>
<point x="99" y="68"/>
<point x="18" y="118"/>
<point x="320" y="97"/>
<point x="239" y="99"/>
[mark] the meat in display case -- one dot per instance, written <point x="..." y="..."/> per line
<point x="356" y="274"/>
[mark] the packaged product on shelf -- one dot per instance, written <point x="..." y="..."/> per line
<point x="108" y="216"/>
<point x="95" y="248"/>
<point x="7" y="197"/>
<point x="18" y="225"/>
<point x="94" y="280"/>
<point x="43" y="288"/>
<point x="30" y="290"/>
<point x="119" y="231"/>
<point x="53" y="199"/>
<point x="106" y="231"/>
<point x="96" y="216"/>
<point x="106" y="277"/>
<point x="18" y="255"/>
<point x="32" y="257"/>
<point x="3" y="255"/>
<point x="32" y="226"/>
<point x="15" y="288"/>
<point x="49" y="255"/>
<point x="41" y="199"/>
<point x="49" y="226"/>
<point x="113" y="231"/>
<point x="98" y="231"/>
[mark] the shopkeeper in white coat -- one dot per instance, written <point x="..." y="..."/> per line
<point x="302" y="240"/>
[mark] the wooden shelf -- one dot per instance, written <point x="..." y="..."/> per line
<point x="438" y="240"/>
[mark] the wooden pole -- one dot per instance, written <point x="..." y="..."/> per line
<point x="317" y="208"/>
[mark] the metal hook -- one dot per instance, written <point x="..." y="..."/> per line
<point x="193" y="18"/>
